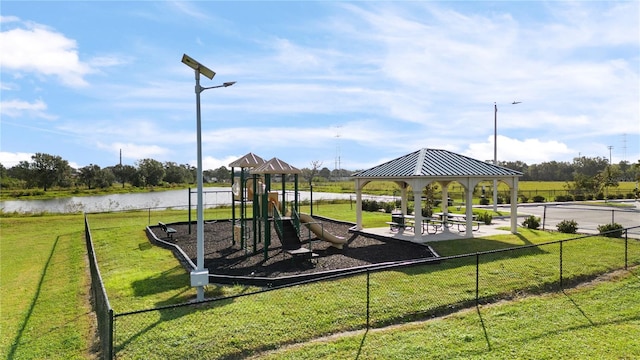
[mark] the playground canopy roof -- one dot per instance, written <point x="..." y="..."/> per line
<point x="435" y="163"/>
<point x="275" y="166"/>
<point x="250" y="160"/>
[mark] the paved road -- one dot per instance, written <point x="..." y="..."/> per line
<point x="588" y="217"/>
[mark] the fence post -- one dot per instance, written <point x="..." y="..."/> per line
<point x="544" y="216"/>
<point x="626" y="248"/>
<point x="477" y="277"/>
<point x="368" y="297"/>
<point x="149" y="217"/>
<point x="109" y="353"/>
<point x="189" y="209"/>
<point x="561" y="285"/>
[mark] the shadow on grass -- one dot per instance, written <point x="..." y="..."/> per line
<point x="364" y="337"/>
<point x="34" y="300"/>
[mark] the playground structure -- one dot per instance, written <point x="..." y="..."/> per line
<point x="263" y="208"/>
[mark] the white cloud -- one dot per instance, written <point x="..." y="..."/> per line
<point x="530" y="151"/>
<point x="9" y="159"/>
<point x="43" y="51"/>
<point x="19" y="108"/>
<point x="135" y="151"/>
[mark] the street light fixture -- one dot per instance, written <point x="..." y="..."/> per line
<point x="495" y="152"/>
<point x="200" y="276"/>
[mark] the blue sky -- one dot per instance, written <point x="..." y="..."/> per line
<point x="350" y="84"/>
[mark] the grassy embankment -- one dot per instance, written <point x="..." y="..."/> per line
<point x="44" y="305"/>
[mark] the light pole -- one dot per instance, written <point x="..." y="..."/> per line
<point x="200" y="276"/>
<point x="495" y="152"/>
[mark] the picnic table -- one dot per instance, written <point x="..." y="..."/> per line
<point x="407" y="222"/>
<point x="451" y="219"/>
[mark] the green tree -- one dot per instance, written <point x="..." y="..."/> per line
<point x="310" y="174"/>
<point x="222" y="174"/>
<point x="177" y="174"/>
<point x="50" y="170"/>
<point x="105" y="178"/>
<point x="151" y="172"/>
<point x="23" y="172"/>
<point x="125" y="174"/>
<point x="325" y="173"/>
<point x="88" y="175"/>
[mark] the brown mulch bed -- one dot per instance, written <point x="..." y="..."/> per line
<point x="225" y="258"/>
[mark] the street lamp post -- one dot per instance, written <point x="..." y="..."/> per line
<point x="495" y="152"/>
<point x="200" y="276"/>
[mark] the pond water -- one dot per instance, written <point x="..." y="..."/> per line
<point x="159" y="199"/>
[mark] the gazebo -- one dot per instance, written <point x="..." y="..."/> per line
<point x="427" y="166"/>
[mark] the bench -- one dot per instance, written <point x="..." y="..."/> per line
<point x="169" y="231"/>
<point x="436" y="224"/>
<point x="302" y="252"/>
<point x="394" y="226"/>
<point x="462" y="225"/>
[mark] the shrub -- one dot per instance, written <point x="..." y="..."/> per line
<point x="579" y="197"/>
<point x="523" y="199"/>
<point x="538" y="199"/>
<point x="567" y="226"/>
<point x="611" y="230"/>
<point x="484" y="201"/>
<point x="630" y="196"/>
<point x="589" y="197"/>
<point x="486" y="218"/>
<point x="560" y="198"/>
<point x="426" y="213"/>
<point x="532" y="222"/>
<point x="600" y="196"/>
<point x="389" y="207"/>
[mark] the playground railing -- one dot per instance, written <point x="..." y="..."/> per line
<point x="295" y="217"/>
<point x="277" y="221"/>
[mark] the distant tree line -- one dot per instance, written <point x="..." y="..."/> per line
<point x="580" y="167"/>
<point x="46" y="171"/>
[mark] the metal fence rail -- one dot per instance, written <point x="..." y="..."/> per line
<point x="99" y="298"/>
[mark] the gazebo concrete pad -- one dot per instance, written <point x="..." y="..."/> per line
<point x="448" y="234"/>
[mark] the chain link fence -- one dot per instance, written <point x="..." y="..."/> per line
<point x="99" y="298"/>
<point x="239" y="326"/>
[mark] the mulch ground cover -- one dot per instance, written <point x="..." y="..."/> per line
<point x="223" y="257"/>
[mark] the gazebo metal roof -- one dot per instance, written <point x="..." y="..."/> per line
<point x="425" y="166"/>
<point x="435" y="163"/>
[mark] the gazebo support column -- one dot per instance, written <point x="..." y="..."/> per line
<point x="445" y="197"/>
<point x="359" y="204"/>
<point x="403" y="200"/>
<point x="417" y="212"/>
<point x="468" y="196"/>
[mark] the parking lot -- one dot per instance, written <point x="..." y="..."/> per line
<point x="588" y="217"/>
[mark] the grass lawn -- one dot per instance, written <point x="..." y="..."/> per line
<point x="596" y="321"/>
<point x="45" y="307"/>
